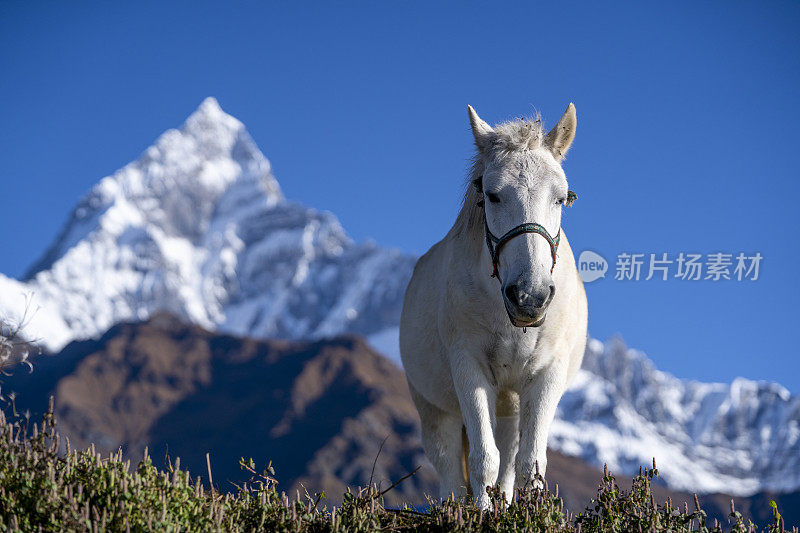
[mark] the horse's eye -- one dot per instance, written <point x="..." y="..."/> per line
<point x="493" y="197"/>
<point x="560" y="201"/>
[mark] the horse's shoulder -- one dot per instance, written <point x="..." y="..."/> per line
<point x="432" y="259"/>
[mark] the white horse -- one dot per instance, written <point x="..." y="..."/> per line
<point x="493" y="329"/>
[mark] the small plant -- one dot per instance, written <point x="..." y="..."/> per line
<point x="14" y="348"/>
<point x="636" y="509"/>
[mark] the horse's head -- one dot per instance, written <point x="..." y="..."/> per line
<point x="518" y="174"/>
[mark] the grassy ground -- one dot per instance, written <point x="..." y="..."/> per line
<point x="45" y="485"/>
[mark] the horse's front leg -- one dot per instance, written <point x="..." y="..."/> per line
<point x="477" y="399"/>
<point x="538" y="402"/>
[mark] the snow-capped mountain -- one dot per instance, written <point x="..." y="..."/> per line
<point x="198" y="226"/>
<point x="737" y="438"/>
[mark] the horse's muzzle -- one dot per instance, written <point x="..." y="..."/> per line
<point x="527" y="308"/>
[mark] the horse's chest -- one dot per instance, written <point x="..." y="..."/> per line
<point x="514" y="360"/>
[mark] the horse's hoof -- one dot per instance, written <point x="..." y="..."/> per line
<point x="483" y="502"/>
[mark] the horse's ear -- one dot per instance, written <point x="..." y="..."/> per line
<point x="560" y="137"/>
<point x="482" y="132"/>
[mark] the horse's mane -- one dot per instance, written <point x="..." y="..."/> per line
<point x="509" y="137"/>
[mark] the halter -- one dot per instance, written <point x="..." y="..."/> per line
<point x="495" y="245"/>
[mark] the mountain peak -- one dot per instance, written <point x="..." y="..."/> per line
<point x="209" y="118"/>
<point x="210" y="105"/>
<point x="210" y="166"/>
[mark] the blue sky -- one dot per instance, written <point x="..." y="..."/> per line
<point x="687" y="132"/>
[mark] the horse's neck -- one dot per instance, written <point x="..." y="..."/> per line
<point x="468" y="228"/>
<point x="469" y="254"/>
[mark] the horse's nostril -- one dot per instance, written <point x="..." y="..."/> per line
<point x="552" y="293"/>
<point x="512" y="294"/>
<point x="535" y="300"/>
